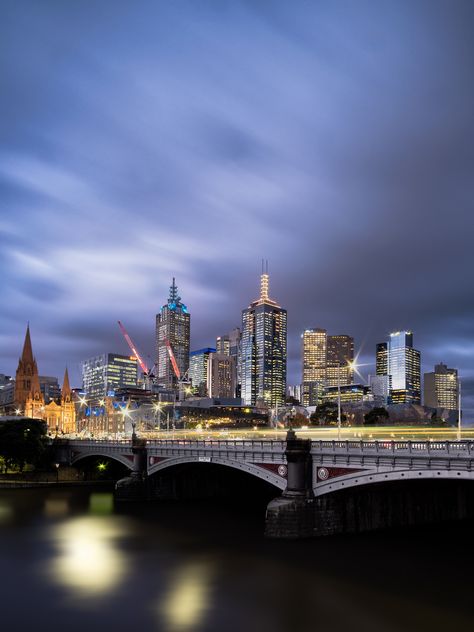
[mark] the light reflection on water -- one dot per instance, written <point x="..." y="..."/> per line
<point x="193" y="568"/>
<point x="88" y="561"/>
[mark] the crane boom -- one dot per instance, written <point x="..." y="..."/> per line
<point x="132" y="347"/>
<point x="174" y="364"/>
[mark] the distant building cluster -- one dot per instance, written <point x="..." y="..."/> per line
<point x="242" y="375"/>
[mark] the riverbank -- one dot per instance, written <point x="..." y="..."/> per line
<point x="22" y="484"/>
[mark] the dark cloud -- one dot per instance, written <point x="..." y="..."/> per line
<point x="334" y="139"/>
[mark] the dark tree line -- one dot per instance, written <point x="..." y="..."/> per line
<point x="22" y="442"/>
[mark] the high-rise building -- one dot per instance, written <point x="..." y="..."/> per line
<point x="263" y="354"/>
<point x="50" y="388"/>
<point x="404" y="369"/>
<point x="441" y="388"/>
<point x="173" y="326"/>
<point x="230" y="345"/>
<point x="340" y="356"/>
<point x="221" y="375"/>
<point x="102" y="375"/>
<point x="198" y="361"/>
<point x="380" y="388"/>
<point x="381" y="359"/>
<point x="314" y="349"/>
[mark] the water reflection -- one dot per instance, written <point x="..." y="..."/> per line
<point x="89" y="561"/>
<point x="188" y="598"/>
<point x="6" y="513"/>
<point x="56" y="507"/>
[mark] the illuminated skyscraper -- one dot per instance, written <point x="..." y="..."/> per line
<point x="404" y="369"/>
<point x="340" y="353"/>
<point x="102" y="375"/>
<point x="221" y="375"/>
<point x="314" y="352"/>
<point x="263" y="355"/>
<point x="381" y="359"/>
<point x="198" y="361"/>
<point x="230" y="345"/>
<point x="441" y="388"/>
<point x="173" y="325"/>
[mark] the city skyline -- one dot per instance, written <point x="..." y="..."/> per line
<point x="126" y="160"/>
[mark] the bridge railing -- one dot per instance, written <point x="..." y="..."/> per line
<point x="393" y="447"/>
<point x="219" y="444"/>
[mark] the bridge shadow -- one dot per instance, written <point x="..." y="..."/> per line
<point x="394" y="504"/>
<point x="100" y="468"/>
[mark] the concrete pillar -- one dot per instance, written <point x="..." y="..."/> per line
<point x="292" y="514"/>
<point x="134" y="487"/>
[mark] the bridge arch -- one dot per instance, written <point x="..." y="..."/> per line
<point x="120" y="458"/>
<point x="366" y="478"/>
<point x="243" y="466"/>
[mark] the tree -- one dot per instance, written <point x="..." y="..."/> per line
<point x="22" y="441"/>
<point x="326" y="414"/>
<point x="376" y="416"/>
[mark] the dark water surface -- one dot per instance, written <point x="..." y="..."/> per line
<point x="69" y="560"/>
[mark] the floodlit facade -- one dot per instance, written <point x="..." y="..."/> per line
<point x="441" y="388"/>
<point x="173" y="326"/>
<point x="381" y="358"/>
<point x="314" y="350"/>
<point x="102" y="375"/>
<point x="263" y="350"/>
<point x="404" y="369"/>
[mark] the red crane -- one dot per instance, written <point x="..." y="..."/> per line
<point x="174" y="364"/>
<point x="132" y="347"/>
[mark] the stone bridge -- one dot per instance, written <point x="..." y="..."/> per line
<point x="305" y="471"/>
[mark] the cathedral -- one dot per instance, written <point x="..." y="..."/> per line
<point x="60" y="416"/>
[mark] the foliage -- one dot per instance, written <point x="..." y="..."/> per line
<point x="376" y="416"/>
<point x="298" y="420"/>
<point x="326" y="414"/>
<point x="22" y="441"/>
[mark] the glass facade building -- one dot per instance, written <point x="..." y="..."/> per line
<point x="340" y="352"/>
<point x="263" y="350"/>
<point x="404" y="369"/>
<point x="173" y="325"/>
<point x="104" y="374"/>
<point x="198" y="361"/>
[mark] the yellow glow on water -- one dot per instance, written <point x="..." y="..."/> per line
<point x="188" y="599"/>
<point x="88" y="562"/>
<point x="55" y="507"/>
<point x="6" y="513"/>
<point x="101" y="504"/>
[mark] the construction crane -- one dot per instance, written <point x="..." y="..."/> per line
<point x="146" y="371"/>
<point x="182" y="379"/>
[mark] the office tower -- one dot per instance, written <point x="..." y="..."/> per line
<point x="263" y="350"/>
<point x="340" y="352"/>
<point x="404" y="369"/>
<point x="172" y="332"/>
<point x="381" y="359"/>
<point x="198" y="361"/>
<point x="314" y="350"/>
<point x="50" y="388"/>
<point x="221" y="375"/>
<point x="230" y="344"/>
<point x="105" y="373"/>
<point x="441" y="388"/>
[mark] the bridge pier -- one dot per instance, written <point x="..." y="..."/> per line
<point x="134" y="487"/>
<point x="292" y="514"/>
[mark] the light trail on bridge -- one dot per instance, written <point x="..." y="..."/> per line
<point x="385" y="433"/>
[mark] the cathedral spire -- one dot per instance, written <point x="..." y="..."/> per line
<point x="27" y="354"/>
<point x="66" y="389"/>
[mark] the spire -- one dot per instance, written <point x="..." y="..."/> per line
<point x="27" y="354"/>
<point x="264" y="282"/>
<point x="174" y="298"/>
<point x="66" y="389"/>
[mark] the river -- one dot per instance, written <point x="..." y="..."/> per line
<point x="71" y="560"/>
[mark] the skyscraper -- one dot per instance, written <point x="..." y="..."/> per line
<point x="441" y="388"/>
<point x="340" y="356"/>
<point x="381" y="359"/>
<point x="263" y="355"/>
<point x="404" y="369"/>
<point x="230" y="345"/>
<point x="173" y="325"/>
<point x="314" y="350"/>
<point x="221" y="375"/>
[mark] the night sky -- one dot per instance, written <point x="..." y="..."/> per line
<point x="142" y="140"/>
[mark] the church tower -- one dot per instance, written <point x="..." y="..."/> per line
<point x="27" y="386"/>
<point x="68" y="410"/>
